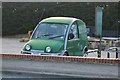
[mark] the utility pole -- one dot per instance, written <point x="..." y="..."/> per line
<point x="98" y="26"/>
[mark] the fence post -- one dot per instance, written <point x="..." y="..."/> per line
<point x="108" y="55"/>
<point x="99" y="54"/>
<point x="116" y="53"/>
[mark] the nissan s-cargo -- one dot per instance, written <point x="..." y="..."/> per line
<point x="63" y="36"/>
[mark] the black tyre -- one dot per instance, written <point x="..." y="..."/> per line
<point x="85" y="52"/>
<point x="66" y="54"/>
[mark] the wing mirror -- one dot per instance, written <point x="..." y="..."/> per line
<point x="70" y="36"/>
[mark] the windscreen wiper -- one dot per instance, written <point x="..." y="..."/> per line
<point x="44" y="35"/>
<point x="56" y="36"/>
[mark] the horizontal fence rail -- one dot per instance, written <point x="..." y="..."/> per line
<point x="62" y="58"/>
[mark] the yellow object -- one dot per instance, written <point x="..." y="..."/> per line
<point x="29" y="34"/>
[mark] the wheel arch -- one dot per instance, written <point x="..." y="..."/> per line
<point x="85" y="49"/>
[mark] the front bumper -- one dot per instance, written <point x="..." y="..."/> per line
<point x="41" y="53"/>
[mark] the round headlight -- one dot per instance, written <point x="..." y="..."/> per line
<point x="27" y="47"/>
<point x="48" y="49"/>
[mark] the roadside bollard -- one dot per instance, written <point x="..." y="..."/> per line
<point x="116" y="53"/>
<point x="99" y="54"/>
<point x="108" y="55"/>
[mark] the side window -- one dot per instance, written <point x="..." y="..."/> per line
<point x="74" y="30"/>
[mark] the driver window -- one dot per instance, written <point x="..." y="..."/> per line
<point x="74" y="30"/>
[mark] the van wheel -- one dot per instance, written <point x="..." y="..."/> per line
<point x="85" y="52"/>
<point x="66" y="54"/>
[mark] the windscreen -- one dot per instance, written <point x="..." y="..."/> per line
<point x="51" y="31"/>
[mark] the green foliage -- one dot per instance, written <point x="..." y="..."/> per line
<point x="20" y="17"/>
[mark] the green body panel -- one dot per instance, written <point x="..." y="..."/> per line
<point x="41" y="44"/>
<point x="73" y="47"/>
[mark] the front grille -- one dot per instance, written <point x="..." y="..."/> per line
<point x="37" y="51"/>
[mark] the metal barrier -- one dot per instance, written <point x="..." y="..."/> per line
<point x="96" y="50"/>
<point x="108" y="52"/>
<point x="113" y="48"/>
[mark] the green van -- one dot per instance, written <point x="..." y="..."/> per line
<point x="63" y="36"/>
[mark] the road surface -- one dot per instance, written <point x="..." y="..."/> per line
<point x="72" y="69"/>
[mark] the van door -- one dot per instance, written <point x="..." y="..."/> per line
<point x="82" y="36"/>
<point x="73" y="45"/>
